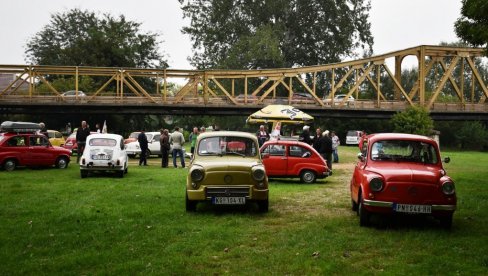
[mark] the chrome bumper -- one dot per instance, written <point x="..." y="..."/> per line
<point x="387" y="204"/>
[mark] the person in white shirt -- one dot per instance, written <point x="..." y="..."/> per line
<point x="335" y="146"/>
<point x="177" y="140"/>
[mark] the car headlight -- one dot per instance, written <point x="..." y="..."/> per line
<point x="376" y="184"/>
<point x="197" y="174"/>
<point x="448" y="188"/>
<point x="258" y="174"/>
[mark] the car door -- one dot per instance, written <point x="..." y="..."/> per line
<point x="359" y="170"/>
<point x="297" y="155"/>
<point x="274" y="159"/>
<point x="40" y="150"/>
<point x="155" y="145"/>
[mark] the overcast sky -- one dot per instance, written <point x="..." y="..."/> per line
<point x="395" y="24"/>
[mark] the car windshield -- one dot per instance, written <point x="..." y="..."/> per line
<point x="352" y="133"/>
<point x="103" y="142"/>
<point x="227" y="145"/>
<point x="404" y="151"/>
<point x="134" y="134"/>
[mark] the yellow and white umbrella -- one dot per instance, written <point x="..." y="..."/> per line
<point x="280" y="113"/>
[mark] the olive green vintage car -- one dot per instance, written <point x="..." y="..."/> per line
<point x="226" y="169"/>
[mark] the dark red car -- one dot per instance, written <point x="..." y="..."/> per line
<point x="290" y="159"/>
<point x="30" y="149"/>
<point x="71" y="144"/>
<point x="401" y="173"/>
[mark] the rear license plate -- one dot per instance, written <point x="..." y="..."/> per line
<point x="229" y="200"/>
<point x="412" y="208"/>
<point x="100" y="157"/>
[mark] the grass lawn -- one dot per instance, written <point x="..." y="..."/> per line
<point x="54" y="222"/>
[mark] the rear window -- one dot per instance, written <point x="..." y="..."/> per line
<point x="352" y="133"/>
<point x="103" y="142"/>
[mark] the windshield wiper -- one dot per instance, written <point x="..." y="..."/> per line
<point x="236" y="153"/>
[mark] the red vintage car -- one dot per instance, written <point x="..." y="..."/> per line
<point x="290" y="159"/>
<point x="30" y="149"/>
<point x="401" y="174"/>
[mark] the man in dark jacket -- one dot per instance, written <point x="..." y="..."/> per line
<point x="325" y="148"/>
<point x="143" y="144"/>
<point x="305" y="136"/>
<point x="81" y="135"/>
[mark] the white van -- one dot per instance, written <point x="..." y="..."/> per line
<point x="353" y="136"/>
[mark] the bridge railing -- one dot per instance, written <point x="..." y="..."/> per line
<point x="447" y="78"/>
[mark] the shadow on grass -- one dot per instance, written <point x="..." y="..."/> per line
<point x="404" y="222"/>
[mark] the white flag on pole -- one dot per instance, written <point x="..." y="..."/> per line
<point x="104" y="129"/>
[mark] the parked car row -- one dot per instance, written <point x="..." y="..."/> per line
<point x="399" y="174"/>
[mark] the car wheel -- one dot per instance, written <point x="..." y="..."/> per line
<point x="62" y="163"/>
<point x="126" y="170"/>
<point x="263" y="206"/>
<point x="83" y="174"/>
<point x="354" y="205"/>
<point x="363" y="213"/>
<point x="446" y="222"/>
<point x="308" y="176"/>
<point x="120" y="174"/>
<point x="191" y="206"/>
<point x="131" y="155"/>
<point x="9" y="165"/>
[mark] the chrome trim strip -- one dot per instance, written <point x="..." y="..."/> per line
<point x="443" y="207"/>
<point x="375" y="203"/>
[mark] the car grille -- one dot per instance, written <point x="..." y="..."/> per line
<point x="227" y="191"/>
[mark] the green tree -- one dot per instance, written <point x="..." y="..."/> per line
<point x="414" y="120"/>
<point x="472" y="26"/>
<point x="275" y="33"/>
<point x="82" y="38"/>
<point x="472" y="135"/>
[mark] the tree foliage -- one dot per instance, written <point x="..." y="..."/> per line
<point x="250" y="34"/>
<point x="472" y="26"/>
<point x="414" y="120"/>
<point x="82" y="38"/>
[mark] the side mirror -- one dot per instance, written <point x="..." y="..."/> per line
<point x="447" y="160"/>
<point x="360" y="157"/>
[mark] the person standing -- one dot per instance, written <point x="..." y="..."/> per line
<point x="177" y="140"/>
<point x="262" y="135"/>
<point x="316" y="138"/>
<point x="305" y="136"/>
<point x="165" y="146"/>
<point x="335" y="146"/>
<point x="326" y="148"/>
<point x="193" y="139"/>
<point x="81" y="135"/>
<point x="143" y="144"/>
<point x="43" y="130"/>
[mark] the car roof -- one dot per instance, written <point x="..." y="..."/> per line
<point x="227" y="133"/>
<point x="104" y="135"/>
<point x="288" y="142"/>
<point x="398" y="136"/>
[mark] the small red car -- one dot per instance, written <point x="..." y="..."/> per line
<point x="290" y="159"/>
<point x="71" y="144"/>
<point x="30" y="149"/>
<point x="403" y="174"/>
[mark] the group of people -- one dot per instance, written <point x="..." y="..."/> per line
<point x="169" y="142"/>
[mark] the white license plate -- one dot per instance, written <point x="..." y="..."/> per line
<point x="412" y="208"/>
<point x="229" y="200"/>
<point x="100" y="157"/>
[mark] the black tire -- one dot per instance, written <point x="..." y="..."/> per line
<point x="308" y="176"/>
<point x="62" y="163"/>
<point x="131" y="156"/>
<point x="191" y="206"/>
<point x="354" y="205"/>
<point x="363" y="213"/>
<point x="120" y="174"/>
<point x="83" y="173"/>
<point x="126" y="170"/>
<point x="446" y="221"/>
<point x="263" y="206"/>
<point x="9" y="165"/>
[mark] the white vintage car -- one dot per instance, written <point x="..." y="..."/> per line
<point x="104" y="152"/>
<point x="154" y="147"/>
